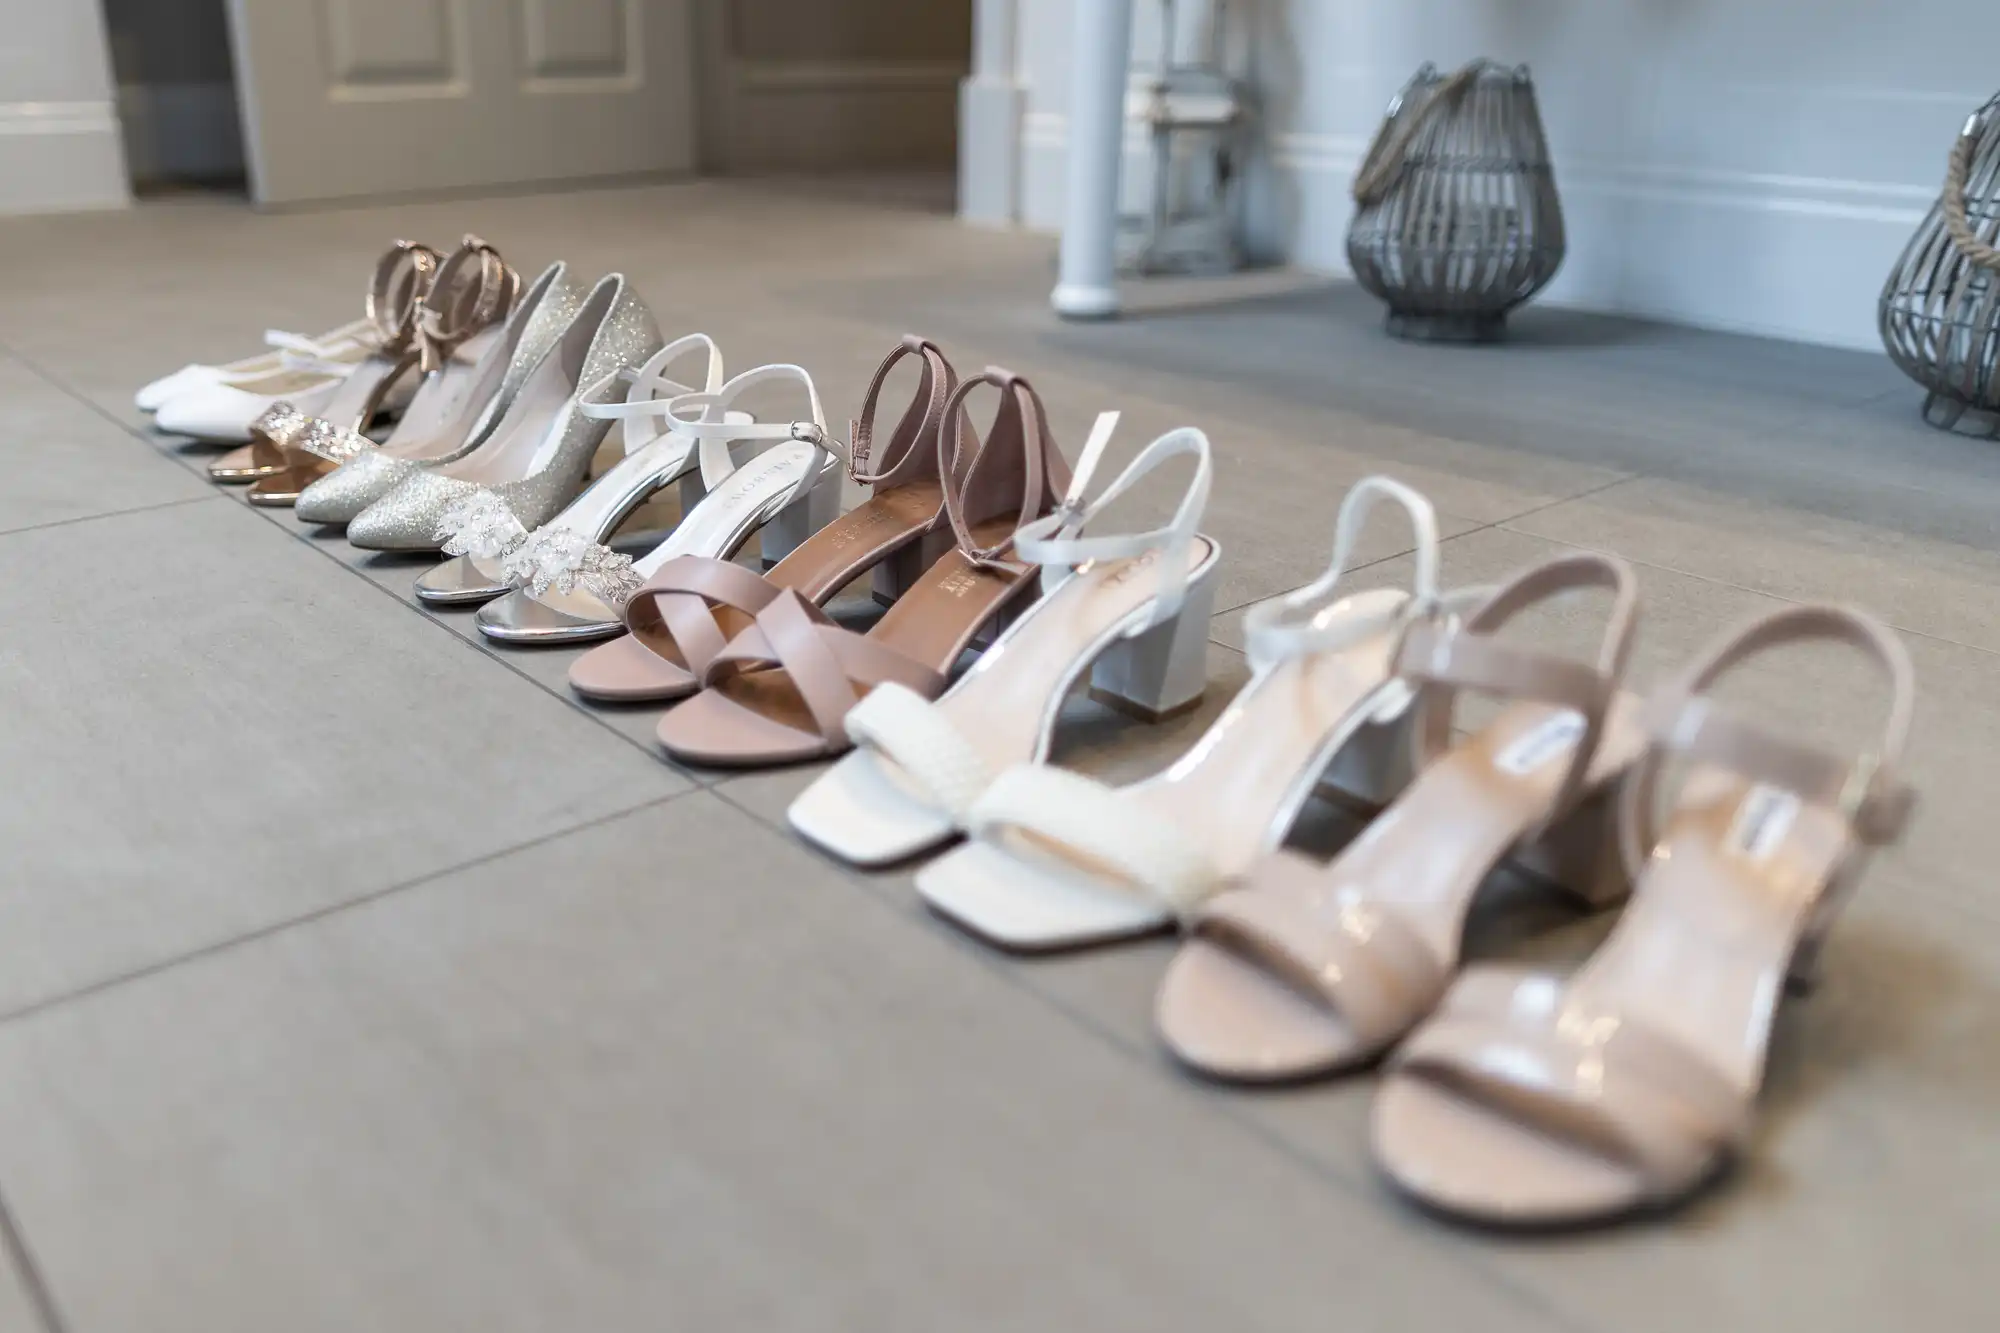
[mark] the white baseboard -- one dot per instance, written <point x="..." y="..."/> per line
<point x="60" y="157"/>
<point x="1798" y="257"/>
<point x="181" y="131"/>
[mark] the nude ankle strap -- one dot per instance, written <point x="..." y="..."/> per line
<point x="1016" y="469"/>
<point x="403" y="277"/>
<point x="1684" y="721"/>
<point x="909" y="455"/>
<point x="1442" y="657"/>
<point x="473" y="290"/>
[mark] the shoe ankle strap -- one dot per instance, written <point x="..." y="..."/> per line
<point x="1441" y="657"/>
<point x="1015" y="468"/>
<point x="1685" y="722"/>
<point x="909" y="454"/>
<point x="650" y="394"/>
<point x="403" y="277"/>
<point x="705" y="418"/>
<point x="1304" y="620"/>
<point x="472" y="291"/>
<point x="1057" y="541"/>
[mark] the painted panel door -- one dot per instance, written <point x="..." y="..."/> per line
<point x="364" y="97"/>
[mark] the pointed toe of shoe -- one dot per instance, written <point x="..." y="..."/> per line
<point x="520" y="617"/>
<point x="406" y="519"/>
<point x="341" y="495"/>
<point x="209" y="412"/>
<point x="459" y="581"/>
<point x="154" y="396"/>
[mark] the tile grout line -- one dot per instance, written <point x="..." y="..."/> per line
<point x="37" y="1286"/>
<point x="109" y="513"/>
<point x="1215" y="1100"/>
<point x="273" y="928"/>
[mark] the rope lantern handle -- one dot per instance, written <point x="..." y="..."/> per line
<point x="1386" y="160"/>
<point x="1951" y="203"/>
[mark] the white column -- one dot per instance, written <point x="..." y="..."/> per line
<point x="991" y="106"/>
<point x="1099" y="54"/>
<point x="59" y="141"/>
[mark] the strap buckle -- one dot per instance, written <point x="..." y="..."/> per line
<point x="809" y="432"/>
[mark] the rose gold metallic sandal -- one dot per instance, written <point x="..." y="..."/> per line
<point x="403" y="276"/>
<point x="458" y="315"/>
<point x="1534" y="1100"/>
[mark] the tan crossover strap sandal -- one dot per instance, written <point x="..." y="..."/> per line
<point x="403" y="276"/>
<point x="1529" y="1099"/>
<point x="691" y="606"/>
<point x="1311" y="969"/>
<point x="1130" y="610"/>
<point x="781" y="690"/>
<point x="454" y="322"/>
<point x="1055" y="860"/>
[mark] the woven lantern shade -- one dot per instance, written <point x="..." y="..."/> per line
<point x="1457" y="219"/>
<point x="1940" y="310"/>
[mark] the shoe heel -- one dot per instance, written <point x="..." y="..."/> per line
<point x="1372" y="768"/>
<point x="794" y="525"/>
<point x="1580" y="855"/>
<point x="1164" y="671"/>
<point x="900" y="572"/>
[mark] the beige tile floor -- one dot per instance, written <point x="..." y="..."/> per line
<point x="352" y="976"/>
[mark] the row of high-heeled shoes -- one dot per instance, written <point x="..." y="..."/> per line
<point x="1508" y="1095"/>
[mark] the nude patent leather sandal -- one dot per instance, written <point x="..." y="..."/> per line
<point x="458" y="318"/>
<point x="403" y="276"/>
<point x="487" y="542"/>
<point x="1533" y="1100"/>
<point x="786" y="493"/>
<point x="1054" y="860"/>
<point x="780" y="692"/>
<point x="1311" y="969"/>
<point x="1132" y="610"/>
<point x="691" y="606"/>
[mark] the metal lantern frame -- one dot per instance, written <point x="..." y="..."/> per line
<point x="1457" y="218"/>
<point x="1939" y="313"/>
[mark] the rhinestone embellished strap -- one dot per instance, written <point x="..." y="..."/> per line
<point x="480" y="525"/>
<point x="563" y="560"/>
<point x="336" y="444"/>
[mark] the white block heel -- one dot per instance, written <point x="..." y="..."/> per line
<point x="791" y="527"/>
<point x="1130" y="612"/>
<point x="1161" y="672"/>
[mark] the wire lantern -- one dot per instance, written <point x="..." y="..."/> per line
<point x="1457" y="219"/>
<point x="1940" y="309"/>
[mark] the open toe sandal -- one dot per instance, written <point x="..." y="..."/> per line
<point x="1131" y="610"/>
<point x="1532" y="1100"/>
<point x="573" y="589"/>
<point x="1055" y="860"/>
<point x="459" y="315"/>
<point x="1311" y="969"/>
<point x="690" y="606"/>
<point x="403" y="276"/>
<point x="781" y="689"/>
<point x="487" y="543"/>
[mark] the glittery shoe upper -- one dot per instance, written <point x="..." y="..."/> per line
<point x="407" y="518"/>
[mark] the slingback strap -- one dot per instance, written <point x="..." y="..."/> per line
<point x="1684" y="721"/>
<point x="1057" y="543"/>
<point x="1016" y="458"/>
<point x="403" y="277"/>
<point x="1312" y="619"/>
<point x="1440" y="657"/>
<point x="473" y="290"/>
<point x="830" y="667"/>
<point x="649" y="393"/>
<point x="908" y="455"/>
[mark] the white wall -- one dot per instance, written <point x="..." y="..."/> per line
<point x="59" y="145"/>
<point x="1742" y="164"/>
